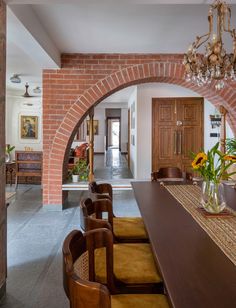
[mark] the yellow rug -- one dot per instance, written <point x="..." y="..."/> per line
<point x="9" y="194"/>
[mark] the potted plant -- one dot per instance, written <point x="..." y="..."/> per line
<point x="231" y="148"/>
<point x="80" y="171"/>
<point x="8" y="151"/>
<point x="231" y="145"/>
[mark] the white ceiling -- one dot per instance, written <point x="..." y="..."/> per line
<point x="123" y="28"/>
<point x="121" y="96"/>
<point x="49" y="27"/>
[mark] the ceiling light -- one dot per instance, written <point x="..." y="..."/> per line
<point x="26" y="94"/>
<point x="15" y="78"/>
<point x="215" y="64"/>
<point x="37" y="90"/>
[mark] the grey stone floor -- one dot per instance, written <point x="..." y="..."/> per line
<point x="112" y="165"/>
<point x="35" y="237"/>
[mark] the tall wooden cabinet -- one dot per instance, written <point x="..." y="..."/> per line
<point x="177" y="130"/>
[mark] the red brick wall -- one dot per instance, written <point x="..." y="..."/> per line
<point x="86" y="79"/>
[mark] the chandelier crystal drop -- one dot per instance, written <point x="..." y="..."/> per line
<point x="215" y="64"/>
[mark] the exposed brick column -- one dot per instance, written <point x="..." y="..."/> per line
<point x="3" y="222"/>
<point x="84" y="81"/>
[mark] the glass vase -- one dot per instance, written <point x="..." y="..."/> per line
<point x="213" y="197"/>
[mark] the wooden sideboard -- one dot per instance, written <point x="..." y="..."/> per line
<point x="28" y="164"/>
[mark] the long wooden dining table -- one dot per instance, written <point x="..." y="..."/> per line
<point x="196" y="273"/>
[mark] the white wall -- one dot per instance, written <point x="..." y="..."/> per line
<point x="124" y="129"/>
<point x="99" y="145"/>
<point x="133" y="131"/>
<point x="15" y="107"/>
<point x="145" y="93"/>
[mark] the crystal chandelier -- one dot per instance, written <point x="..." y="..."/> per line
<point x="215" y="63"/>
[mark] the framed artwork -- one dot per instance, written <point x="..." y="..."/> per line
<point x="95" y="127"/>
<point x="29" y="127"/>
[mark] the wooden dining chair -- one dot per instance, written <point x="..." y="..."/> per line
<point x="125" y="229"/>
<point x="133" y="265"/>
<point x="79" y="275"/>
<point x="167" y="173"/>
<point x="102" y="190"/>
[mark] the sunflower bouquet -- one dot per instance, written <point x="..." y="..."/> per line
<point x="213" y="165"/>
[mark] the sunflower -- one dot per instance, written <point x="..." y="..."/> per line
<point x="199" y="160"/>
<point x="230" y="158"/>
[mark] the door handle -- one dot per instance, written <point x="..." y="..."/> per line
<point x="175" y="142"/>
<point x="180" y="143"/>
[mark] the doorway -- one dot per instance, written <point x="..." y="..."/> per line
<point x="177" y="130"/>
<point x="113" y="135"/>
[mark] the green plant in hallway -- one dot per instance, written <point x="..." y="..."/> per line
<point x="80" y="171"/>
<point x="231" y="149"/>
<point x="231" y="145"/>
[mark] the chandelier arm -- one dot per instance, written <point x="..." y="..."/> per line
<point x="228" y="28"/>
<point x="198" y="42"/>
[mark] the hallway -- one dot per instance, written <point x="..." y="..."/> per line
<point x="111" y="165"/>
<point x="35" y="237"/>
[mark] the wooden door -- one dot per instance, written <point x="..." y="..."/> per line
<point x="177" y="130"/>
<point x="164" y="133"/>
<point x="3" y="213"/>
<point x="190" y="117"/>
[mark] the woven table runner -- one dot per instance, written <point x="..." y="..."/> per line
<point x="221" y="230"/>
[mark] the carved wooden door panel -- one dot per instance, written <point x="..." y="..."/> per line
<point x="190" y="115"/>
<point x="177" y="130"/>
<point x="164" y="133"/>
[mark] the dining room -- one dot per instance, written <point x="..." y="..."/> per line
<point x="165" y="235"/>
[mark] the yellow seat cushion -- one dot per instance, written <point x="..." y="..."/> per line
<point x="129" y="228"/>
<point x="133" y="263"/>
<point x="139" y="301"/>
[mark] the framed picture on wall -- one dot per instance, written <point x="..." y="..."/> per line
<point x="95" y="127"/>
<point x="29" y="127"/>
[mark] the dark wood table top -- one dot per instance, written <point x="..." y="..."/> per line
<point x="197" y="274"/>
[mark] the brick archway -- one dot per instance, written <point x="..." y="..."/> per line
<point x="58" y="138"/>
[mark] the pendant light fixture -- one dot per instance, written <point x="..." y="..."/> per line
<point x="215" y="64"/>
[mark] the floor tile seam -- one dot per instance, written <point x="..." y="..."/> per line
<point x="22" y="226"/>
<point x="52" y="256"/>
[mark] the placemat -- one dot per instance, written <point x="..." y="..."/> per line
<point x="222" y="231"/>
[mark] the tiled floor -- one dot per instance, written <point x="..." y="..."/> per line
<point x="35" y="237"/>
<point x="112" y="165"/>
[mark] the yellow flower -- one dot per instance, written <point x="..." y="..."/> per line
<point x="199" y="160"/>
<point x="230" y="158"/>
